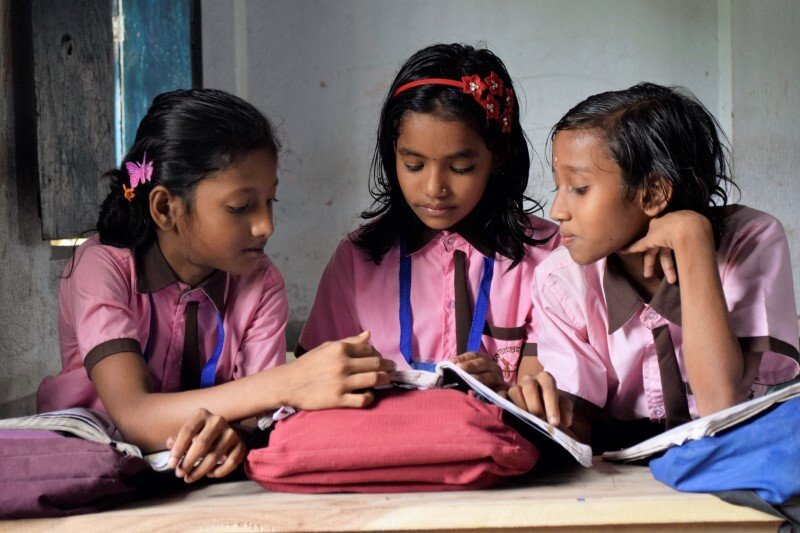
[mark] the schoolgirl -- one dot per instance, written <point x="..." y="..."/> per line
<point x="664" y="303"/>
<point x="171" y="318"/>
<point x="442" y="266"/>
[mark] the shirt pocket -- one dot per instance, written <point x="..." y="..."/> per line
<point x="505" y="345"/>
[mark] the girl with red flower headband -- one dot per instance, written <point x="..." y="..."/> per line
<point x="443" y="264"/>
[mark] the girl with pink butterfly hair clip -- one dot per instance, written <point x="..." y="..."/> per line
<point x="137" y="173"/>
<point x="172" y="318"/>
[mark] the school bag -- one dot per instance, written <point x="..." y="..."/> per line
<point x="44" y="474"/>
<point x="756" y="464"/>
<point x="408" y="440"/>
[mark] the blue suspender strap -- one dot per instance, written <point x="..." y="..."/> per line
<point x="209" y="374"/>
<point x="481" y="306"/>
<point x="406" y="317"/>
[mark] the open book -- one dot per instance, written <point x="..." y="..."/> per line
<point x="449" y="375"/>
<point x="88" y="425"/>
<point x="706" y="426"/>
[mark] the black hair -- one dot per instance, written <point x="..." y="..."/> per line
<point x="657" y="133"/>
<point x="188" y="135"/>
<point x="501" y="211"/>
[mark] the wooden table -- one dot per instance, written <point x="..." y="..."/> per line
<point x="604" y="498"/>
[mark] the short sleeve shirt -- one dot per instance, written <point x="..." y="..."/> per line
<point x="601" y="341"/>
<point x="355" y="294"/>
<point x="116" y="300"/>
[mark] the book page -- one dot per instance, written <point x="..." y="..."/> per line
<point x="83" y="423"/>
<point x="702" y="427"/>
<point x="581" y="452"/>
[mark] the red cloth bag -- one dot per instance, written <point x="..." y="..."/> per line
<point x="418" y="440"/>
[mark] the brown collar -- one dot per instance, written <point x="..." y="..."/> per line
<point x="470" y="229"/>
<point x="153" y="273"/>
<point x="623" y="301"/>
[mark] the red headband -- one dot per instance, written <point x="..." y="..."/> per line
<point x="475" y="86"/>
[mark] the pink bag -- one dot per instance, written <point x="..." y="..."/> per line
<point x="419" y="440"/>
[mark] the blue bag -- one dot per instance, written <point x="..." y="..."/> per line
<point x="760" y="457"/>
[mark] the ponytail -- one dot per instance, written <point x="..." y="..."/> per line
<point x="122" y="222"/>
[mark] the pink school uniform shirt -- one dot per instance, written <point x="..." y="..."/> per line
<point x="355" y="294"/>
<point x="602" y="343"/>
<point x="117" y="300"/>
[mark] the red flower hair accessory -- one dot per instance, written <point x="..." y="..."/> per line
<point x="476" y="86"/>
<point x="492" y="108"/>
<point x="495" y="84"/>
<point x="507" y="118"/>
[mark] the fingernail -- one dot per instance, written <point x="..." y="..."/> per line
<point x="553" y="420"/>
<point x="179" y="472"/>
<point x="173" y="462"/>
<point x="170" y="442"/>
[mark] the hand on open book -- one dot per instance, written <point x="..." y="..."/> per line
<point x="539" y="395"/>
<point x="483" y="368"/>
<point x="338" y="374"/>
<point x="206" y="445"/>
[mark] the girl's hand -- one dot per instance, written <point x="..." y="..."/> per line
<point x="205" y="446"/>
<point x="539" y="396"/>
<point x="338" y="374"/>
<point x="677" y="232"/>
<point x="482" y="367"/>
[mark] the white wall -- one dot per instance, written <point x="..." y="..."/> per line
<point x="766" y="117"/>
<point x="320" y="69"/>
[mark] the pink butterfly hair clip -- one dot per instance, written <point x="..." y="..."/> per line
<point x="138" y="174"/>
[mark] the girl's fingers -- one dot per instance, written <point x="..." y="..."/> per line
<point x="228" y="462"/>
<point x="366" y="380"/>
<point x="650" y="262"/>
<point x="637" y="246"/>
<point x="203" y="444"/>
<point x="532" y="395"/>
<point x="475" y="365"/>
<point x="531" y="399"/>
<point x="550" y="396"/>
<point x="565" y="407"/>
<point x="226" y="441"/>
<point x="357" y="400"/>
<point x="668" y="265"/>
<point x="201" y="468"/>
<point x="356" y="350"/>
<point x="490" y="379"/>
<point x="370" y="364"/>
<point x="515" y="395"/>
<point x="361" y="338"/>
<point x="183" y="441"/>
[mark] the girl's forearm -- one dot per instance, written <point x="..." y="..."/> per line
<point x="714" y="363"/>
<point x="147" y="419"/>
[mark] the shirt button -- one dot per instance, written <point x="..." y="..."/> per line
<point x="451" y="304"/>
<point x="451" y="240"/>
<point x="651" y="315"/>
<point x="659" y="412"/>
